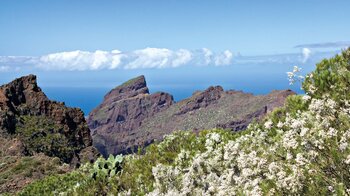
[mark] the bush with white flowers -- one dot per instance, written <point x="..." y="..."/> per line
<point x="302" y="150"/>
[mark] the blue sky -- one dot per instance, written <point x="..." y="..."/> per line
<point x="250" y="27"/>
<point x="179" y="45"/>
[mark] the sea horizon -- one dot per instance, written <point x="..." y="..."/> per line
<point x="88" y="98"/>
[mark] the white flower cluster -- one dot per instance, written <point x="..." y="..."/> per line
<point x="274" y="159"/>
<point x="294" y="76"/>
<point x="212" y="140"/>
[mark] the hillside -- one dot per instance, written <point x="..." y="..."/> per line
<point x="131" y="117"/>
<point x="38" y="136"/>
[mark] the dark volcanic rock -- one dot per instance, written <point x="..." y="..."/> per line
<point x="26" y="112"/>
<point x="129" y="89"/>
<point x="241" y="124"/>
<point x="123" y="110"/>
<point x="130" y="117"/>
<point x="201" y="99"/>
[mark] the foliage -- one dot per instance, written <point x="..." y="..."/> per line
<point x="106" y="168"/>
<point x="16" y="171"/>
<point x="137" y="175"/>
<point x="304" y="154"/>
<point x="301" y="149"/>
<point x="40" y="134"/>
<point x="294" y="76"/>
<point x="90" y="179"/>
<point x="331" y="78"/>
<point x="53" y="185"/>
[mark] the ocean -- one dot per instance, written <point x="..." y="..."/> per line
<point x="87" y="98"/>
<point x="86" y="90"/>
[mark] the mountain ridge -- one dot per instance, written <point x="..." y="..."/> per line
<point x="129" y="118"/>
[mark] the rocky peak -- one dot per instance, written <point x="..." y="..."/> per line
<point x="27" y="113"/>
<point x="130" y="117"/>
<point x="123" y="109"/>
<point x="128" y="89"/>
<point x="201" y="99"/>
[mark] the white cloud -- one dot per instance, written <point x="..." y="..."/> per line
<point x="339" y="44"/>
<point x="208" y="55"/>
<point x="306" y="54"/>
<point x="183" y="57"/>
<point x="79" y="60"/>
<point x="99" y="59"/>
<point x="137" y="59"/>
<point x="224" y="59"/>
<point x="150" y="58"/>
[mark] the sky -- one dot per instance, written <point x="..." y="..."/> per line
<point x="251" y="27"/>
<point x="179" y="45"/>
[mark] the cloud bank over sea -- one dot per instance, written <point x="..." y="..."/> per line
<point x="149" y="58"/>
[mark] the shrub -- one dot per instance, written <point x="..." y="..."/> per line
<point x="331" y="78"/>
<point x="15" y="172"/>
<point x="40" y="134"/>
<point x="53" y="185"/>
<point x="90" y="179"/>
<point x="301" y="149"/>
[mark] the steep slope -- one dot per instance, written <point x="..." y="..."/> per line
<point x="130" y="117"/>
<point x="38" y="135"/>
<point x="123" y="110"/>
<point x="42" y="125"/>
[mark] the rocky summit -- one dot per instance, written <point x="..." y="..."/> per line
<point x="131" y="117"/>
<point x="39" y="125"/>
<point x="123" y="110"/>
<point x="38" y="137"/>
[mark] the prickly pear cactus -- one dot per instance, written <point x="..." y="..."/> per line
<point x="106" y="168"/>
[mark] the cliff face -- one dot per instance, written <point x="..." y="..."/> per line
<point x="37" y="135"/>
<point x="130" y="117"/>
<point x="42" y="126"/>
<point x="123" y="110"/>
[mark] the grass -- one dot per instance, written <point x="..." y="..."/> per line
<point x="102" y="114"/>
<point x="131" y="81"/>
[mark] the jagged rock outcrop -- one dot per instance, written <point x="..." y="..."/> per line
<point x="130" y="117"/>
<point x="38" y="135"/>
<point x="202" y="99"/>
<point x="123" y="110"/>
<point x="39" y="125"/>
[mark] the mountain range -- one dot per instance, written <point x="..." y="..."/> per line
<point x="130" y="117"/>
<point x="40" y="137"/>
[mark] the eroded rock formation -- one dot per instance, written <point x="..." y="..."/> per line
<point x="39" y="125"/>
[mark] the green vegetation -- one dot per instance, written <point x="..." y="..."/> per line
<point x="300" y="149"/>
<point x="131" y="81"/>
<point x="40" y="134"/>
<point x="90" y="179"/>
<point x="120" y="174"/>
<point x="23" y="170"/>
<point x="104" y="169"/>
<point x="331" y="78"/>
<point x="102" y="113"/>
<point x="54" y="184"/>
